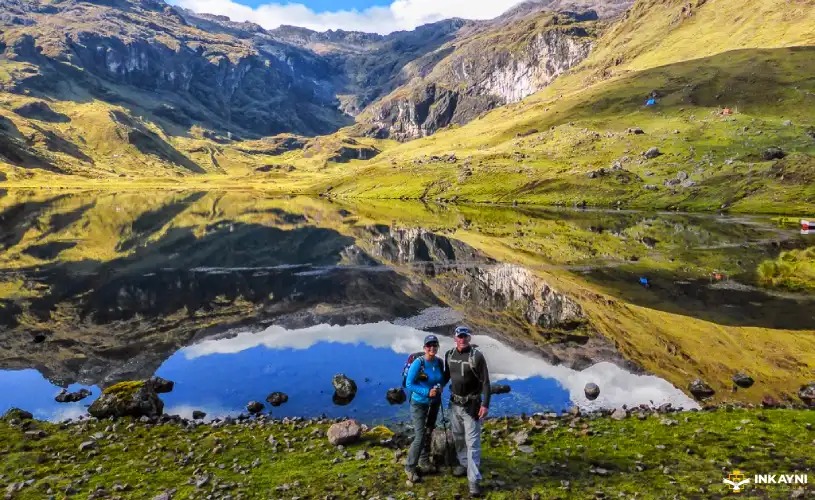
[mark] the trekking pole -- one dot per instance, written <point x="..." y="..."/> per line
<point x="446" y="440"/>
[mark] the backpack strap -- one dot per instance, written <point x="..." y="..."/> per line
<point x="471" y="361"/>
<point x="472" y="364"/>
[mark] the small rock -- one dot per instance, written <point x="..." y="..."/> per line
<point x="742" y="380"/>
<point x="526" y="449"/>
<point x="619" y="414"/>
<point x="787" y="123"/>
<point x="652" y="153"/>
<point x="277" y="398"/>
<point x="396" y="396"/>
<point x="499" y="389"/>
<point x="344" y="387"/>
<point x="87" y="445"/>
<point x="521" y="438"/>
<point x="773" y="154"/>
<point x="254" y="407"/>
<point x="160" y="385"/>
<point x="636" y="131"/>
<point x="362" y="455"/>
<point x="700" y="390"/>
<point x="592" y="391"/>
<point x="71" y="397"/>
<point x="682" y="175"/>
<point x="807" y="394"/>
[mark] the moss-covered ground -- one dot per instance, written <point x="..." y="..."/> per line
<point x="676" y="455"/>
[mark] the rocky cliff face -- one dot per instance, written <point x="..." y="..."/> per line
<point x="479" y="281"/>
<point x="224" y="83"/>
<point x="477" y="77"/>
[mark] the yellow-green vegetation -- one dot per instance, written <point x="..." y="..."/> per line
<point x="793" y="270"/>
<point x="733" y="80"/>
<point x="685" y="454"/>
<point x="124" y="389"/>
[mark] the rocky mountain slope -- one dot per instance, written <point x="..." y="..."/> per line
<point x="728" y="129"/>
<point x="136" y="88"/>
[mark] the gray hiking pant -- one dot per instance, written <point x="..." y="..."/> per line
<point x="467" y="436"/>
<point x="417" y="451"/>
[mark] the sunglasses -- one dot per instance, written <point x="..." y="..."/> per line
<point x="431" y="345"/>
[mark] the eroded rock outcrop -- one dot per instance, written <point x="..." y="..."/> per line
<point x="475" y="79"/>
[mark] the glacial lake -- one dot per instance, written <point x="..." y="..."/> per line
<point x="233" y="296"/>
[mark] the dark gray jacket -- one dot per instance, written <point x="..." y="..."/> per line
<point x="464" y="379"/>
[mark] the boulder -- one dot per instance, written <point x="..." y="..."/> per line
<point x="344" y="386"/>
<point x="770" y="402"/>
<point x="396" y="396"/>
<point x="636" y="131"/>
<point x="742" y="380"/>
<point x="161" y="385"/>
<point x="773" y="154"/>
<point x="198" y="415"/>
<point x="592" y="391"/>
<point x="17" y="414"/>
<point x="254" y="407"/>
<point x="277" y="398"/>
<point x="807" y="394"/>
<point x="345" y="432"/>
<point x="500" y="389"/>
<point x="700" y="390"/>
<point x="135" y="398"/>
<point x="682" y="175"/>
<point x="652" y="153"/>
<point x="72" y="397"/>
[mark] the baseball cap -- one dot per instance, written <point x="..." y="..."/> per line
<point x="462" y="331"/>
<point x="431" y="339"/>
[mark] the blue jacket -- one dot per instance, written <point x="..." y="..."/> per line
<point x="421" y="388"/>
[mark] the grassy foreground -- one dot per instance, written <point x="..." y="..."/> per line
<point x="675" y="455"/>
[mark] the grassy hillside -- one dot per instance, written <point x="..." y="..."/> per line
<point x="751" y="58"/>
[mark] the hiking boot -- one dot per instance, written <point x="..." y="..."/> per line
<point x="412" y="476"/>
<point x="427" y="468"/>
<point x="475" y="490"/>
<point x="459" y="471"/>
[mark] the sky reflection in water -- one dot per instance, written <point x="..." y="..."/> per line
<point x="219" y="376"/>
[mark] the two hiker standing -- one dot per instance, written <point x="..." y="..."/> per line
<point x="466" y="370"/>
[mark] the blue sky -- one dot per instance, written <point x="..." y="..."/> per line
<point x="377" y="16"/>
<point x="328" y="5"/>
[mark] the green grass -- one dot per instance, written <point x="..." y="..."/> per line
<point x="793" y="270"/>
<point x="686" y="454"/>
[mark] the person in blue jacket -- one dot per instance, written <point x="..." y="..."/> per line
<point x="425" y="379"/>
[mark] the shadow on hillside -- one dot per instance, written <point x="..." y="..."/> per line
<point x="725" y="303"/>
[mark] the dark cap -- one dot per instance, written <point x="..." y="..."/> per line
<point x="462" y="331"/>
<point x="431" y="339"/>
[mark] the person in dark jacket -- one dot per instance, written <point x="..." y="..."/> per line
<point x="466" y="369"/>
<point x="424" y="383"/>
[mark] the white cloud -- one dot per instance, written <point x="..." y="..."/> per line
<point x="399" y="15"/>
